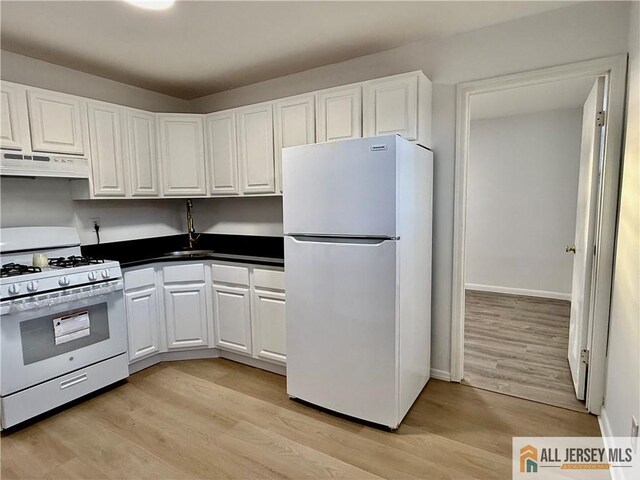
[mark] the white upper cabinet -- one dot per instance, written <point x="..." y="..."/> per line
<point x="182" y="155"/>
<point x="56" y="122"/>
<point x="14" y="132"/>
<point x="105" y="134"/>
<point x="220" y="129"/>
<point x="294" y="125"/>
<point x="143" y="161"/>
<point x="339" y="113"/>
<point x="398" y="105"/>
<point x="255" y="149"/>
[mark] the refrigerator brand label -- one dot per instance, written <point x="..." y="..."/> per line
<point x="375" y="148"/>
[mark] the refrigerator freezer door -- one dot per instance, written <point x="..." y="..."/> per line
<point x="341" y="326"/>
<point x="345" y="188"/>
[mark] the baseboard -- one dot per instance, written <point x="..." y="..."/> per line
<point x="441" y="374"/>
<point x="609" y="442"/>
<point x="254" y="362"/>
<point x="518" y="291"/>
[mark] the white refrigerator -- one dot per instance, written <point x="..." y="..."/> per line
<point x="357" y="223"/>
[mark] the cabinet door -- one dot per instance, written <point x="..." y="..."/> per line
<point x="232" y="318"/>
<point x="339" y="114"/>
<point x="255" y="149"/>
<point x="56" y="122"/>
<point x="105" y="137"/>
<point x="270" y="325"/>
<point x="294" y="125"/>
<point x="222" y="153"/>
<point x="390" y="107"/>
<point x="182" y="155"/>
<point x="143" y="161"/>
<point x="185" y="315"/>
<point x="142" y="322"/>
<point x="12" y="100"/>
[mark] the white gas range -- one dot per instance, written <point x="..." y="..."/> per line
<point x="62" y="325"/>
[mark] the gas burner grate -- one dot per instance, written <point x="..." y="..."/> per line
<point x="15" y="269"/>
<point x="73" y="261"/>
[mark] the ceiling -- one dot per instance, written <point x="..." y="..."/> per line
<point x="200" y="47"/>
<point x="535" y="98"/>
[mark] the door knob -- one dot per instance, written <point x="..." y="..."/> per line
<point x="570" y="249"/>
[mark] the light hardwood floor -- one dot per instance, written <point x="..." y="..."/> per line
<point x="219" y="419"/>
<point x="517" y="345"/>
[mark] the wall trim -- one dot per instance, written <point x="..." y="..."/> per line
<point x="518" y="291"/>
<point x="438" y="374"/>
<point x="614" y="68"/>
<point x="609" y="440"/>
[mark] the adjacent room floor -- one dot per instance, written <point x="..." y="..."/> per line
<point x="219" y="419"/>
<point x="517" y="345"/>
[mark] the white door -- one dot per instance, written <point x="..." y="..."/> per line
<point x="182" y="155"/>
<point x="341" y="326"/>
<point x="105" y="136"/>
<point x="142" y="322"/>
<point x="341" y="189"/>
<point x="232" y="318"/>
<point x="185" y="315"/>
<point x="143" y="160"/>
<point x="255" y="149"/>
<point x="339" y="114"/>
<point x="390" y="106"/>
<point x="56" y="122"/>
<point x="270" y="325"/>
<point x="13" y="111"/>
<point x="294" y="125"/>
<point x="222" y="152"/>
<point x="584" y="238"/>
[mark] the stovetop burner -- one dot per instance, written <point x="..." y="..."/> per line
<point x="73" y="261"/>
<point x="15" y="269"/>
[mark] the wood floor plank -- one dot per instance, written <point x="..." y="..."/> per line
<point x="217" y="419"/>
<point x="517" y="345"/>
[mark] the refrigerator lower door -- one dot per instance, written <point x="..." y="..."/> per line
<point x="341" y="325"/>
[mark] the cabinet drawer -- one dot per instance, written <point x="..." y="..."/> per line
<point x="230" y="274"/>
<point x="183" y="273"/>
<point x="271" y="279"/>
<point x="36" y="400"/>
<point x="139" y="278"/>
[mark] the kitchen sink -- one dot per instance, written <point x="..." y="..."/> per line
<point x="188" y="253"/>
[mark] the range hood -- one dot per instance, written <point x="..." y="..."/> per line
<point x="17" y="164"/>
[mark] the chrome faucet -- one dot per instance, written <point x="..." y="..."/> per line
<point x="192" y="236"/>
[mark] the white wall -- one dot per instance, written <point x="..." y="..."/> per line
<point x="622" y="391"/>
<point x="30" y="71"/>
<point x="44" y="202"/>
<point x="241" y="216"/>
<point x="522" y="187"/>
<point x="579" y="32"/>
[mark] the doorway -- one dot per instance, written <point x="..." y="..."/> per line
<point x="516" y="211"/>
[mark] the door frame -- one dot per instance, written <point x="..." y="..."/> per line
<point x="614" y="70"/>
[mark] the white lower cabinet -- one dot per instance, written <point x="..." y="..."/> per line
<point x="198" y="305"/>
<point x="270" y="325"/>
<point x="232" y="318"/>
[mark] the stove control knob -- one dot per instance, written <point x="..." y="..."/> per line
<point x="106" y="274"/>
<point x="92" y="276"/>
<point x="14" y="289"/>
<point x="64" y="281"/>
<point x="32" y="286"/>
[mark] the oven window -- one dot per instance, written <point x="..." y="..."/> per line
<point x="39" y="339"/>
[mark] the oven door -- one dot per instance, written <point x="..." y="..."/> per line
<point x="48" y="335"/>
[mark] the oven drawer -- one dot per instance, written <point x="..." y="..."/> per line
<point x="33" y="401"/>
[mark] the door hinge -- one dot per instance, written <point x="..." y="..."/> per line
<point x="584" y="356"/>
<point x="600" y="119"/>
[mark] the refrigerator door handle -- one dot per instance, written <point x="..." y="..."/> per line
<point x="355" y="239"/>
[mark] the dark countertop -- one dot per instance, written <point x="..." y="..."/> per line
<point x="232" y="248"/>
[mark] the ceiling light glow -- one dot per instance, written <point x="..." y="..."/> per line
<point x="152" y="4"/>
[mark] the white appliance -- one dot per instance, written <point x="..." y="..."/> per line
<point x="357" y="222"/>
<point x="15" y="163"/>
<point x="62" y="327"/>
